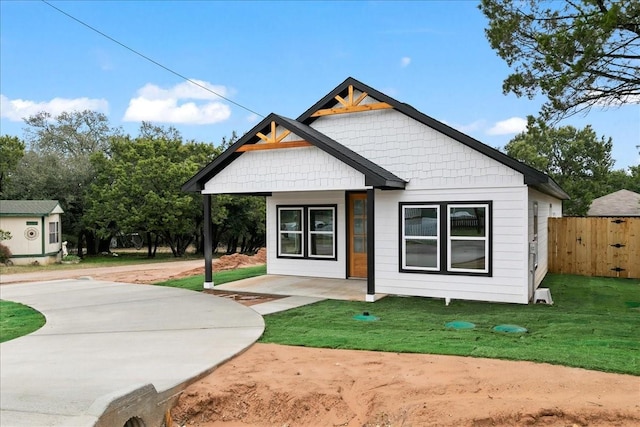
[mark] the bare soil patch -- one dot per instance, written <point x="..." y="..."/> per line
<point x="273" y="385"/>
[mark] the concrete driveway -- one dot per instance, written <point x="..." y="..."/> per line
<point x="111" y="353"/>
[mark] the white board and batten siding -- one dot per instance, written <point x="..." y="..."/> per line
<point x="335" y="269"/>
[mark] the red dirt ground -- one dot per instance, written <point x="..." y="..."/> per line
<point x="272" y="385"/>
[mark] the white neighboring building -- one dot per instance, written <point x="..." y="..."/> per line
<point x="35" y="227"/>
<point x="364" y="186"/>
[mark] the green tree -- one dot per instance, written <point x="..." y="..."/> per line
<point x="57" y="166"/>
<point x="577" y="53"/>
<point x="575" y="158"/>
<point x="11" y="151"/>
<point x="243" y="224"/>
<point x="137" y="187"/>
<point x="73" y="135"/>
<point x="624" y="179"/>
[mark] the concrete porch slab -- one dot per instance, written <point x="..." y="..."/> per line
<point x="315" y="287"/>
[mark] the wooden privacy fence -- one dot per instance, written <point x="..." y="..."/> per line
<point x="595" y="246"/>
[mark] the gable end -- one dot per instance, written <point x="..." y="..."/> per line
<point x="375" y="175"/>
<point x="532" y="177"/>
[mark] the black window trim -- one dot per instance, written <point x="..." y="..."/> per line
<point x="444" y="237"/>
<point x="306" y="231"/>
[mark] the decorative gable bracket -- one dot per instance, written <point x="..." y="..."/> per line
<point x="351" y="105"/>
<point x="273" y="141"/>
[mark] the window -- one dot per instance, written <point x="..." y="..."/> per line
<point x="54" y="232"/>
<point x="290" y="226"/>
<point x="420" y="237"/>
<point x="307" y="232"/>
<point x="321" y="235"/>
<point x="446" y="238"/>
<point x="468" y="248"/>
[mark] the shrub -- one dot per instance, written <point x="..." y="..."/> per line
<point x="5" y="253"/>
<point x="71" y="259"/>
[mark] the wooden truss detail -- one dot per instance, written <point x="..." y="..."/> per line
<point x="273" y="141"/>
<point x="351" y="105"/>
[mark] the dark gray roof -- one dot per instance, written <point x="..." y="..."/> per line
<point x="27" y="207"/>
<point x="375" y="175"/>
<point x="532" y="177"/>
<point x="619" y="203"/>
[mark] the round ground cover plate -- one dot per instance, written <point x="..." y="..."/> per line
<point x="366" y="317"/>
<point x="459" y="324"/>
<point x="510" y="328"/>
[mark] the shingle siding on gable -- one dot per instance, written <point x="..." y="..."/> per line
<point x="287" y="169"/>
<point x="415" y="152"/>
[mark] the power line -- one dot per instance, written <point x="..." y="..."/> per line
<point x="150" y="60"/>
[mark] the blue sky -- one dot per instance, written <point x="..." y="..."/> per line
<point x="277" y="57"/>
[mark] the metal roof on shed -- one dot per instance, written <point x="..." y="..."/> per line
<point x="29" y="207"/>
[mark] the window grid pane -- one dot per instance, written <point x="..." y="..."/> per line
<point x="290" y="230"/>
<point x="321" y="232"/>
<point x="420" y="239"/>
<point x="468" y="243"/>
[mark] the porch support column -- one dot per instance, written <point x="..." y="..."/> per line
<point x="208" y="242"/>
<point x="371" y="238"/>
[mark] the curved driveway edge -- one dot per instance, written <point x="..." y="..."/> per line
<point x="104" y="340"/>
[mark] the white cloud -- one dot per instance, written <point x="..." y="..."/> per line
<point x="613" y="101"/>
<point x="470" y="127"/>
<point x="17" y="109"/>
<point x="405" y="61"/>
<point x="510" y="126"/>
<point x="175" y="105"/>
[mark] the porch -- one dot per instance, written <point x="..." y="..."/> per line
<point x="314" y="287"/>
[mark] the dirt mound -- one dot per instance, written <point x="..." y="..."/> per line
<point x="225" y="262"/>
<point x="272" y="385"/>
<point x="233" y="261"/>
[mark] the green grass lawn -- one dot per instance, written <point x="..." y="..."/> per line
<point x="194" y="283"/>
<point x="594" y="324"/>
<point x="17" y="320"/>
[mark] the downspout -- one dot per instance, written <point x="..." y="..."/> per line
<point x="208" y="243"/>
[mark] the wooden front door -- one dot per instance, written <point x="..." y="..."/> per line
<point x="357" y="235"/>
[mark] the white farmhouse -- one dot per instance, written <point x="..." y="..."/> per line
<point x="364" y="186"/>
<point x="35" y="229"/>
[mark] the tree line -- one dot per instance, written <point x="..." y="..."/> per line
<point x="579" y="55"/>
<point x="112" y="184"/>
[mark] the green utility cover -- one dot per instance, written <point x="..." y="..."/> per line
<point x="366" y="317"/>
<point x="510" y="328"/>
<point x="459" y="324"/>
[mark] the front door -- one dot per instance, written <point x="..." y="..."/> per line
<point x="357" y="235"/>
